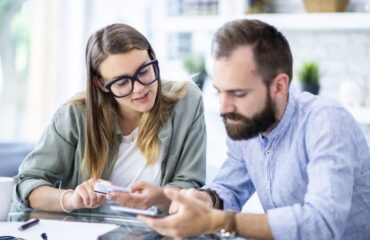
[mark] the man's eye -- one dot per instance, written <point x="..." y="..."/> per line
<point x="240" y="94"/>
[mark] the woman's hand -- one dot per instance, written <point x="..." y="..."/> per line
<point x="84" y="196"/>
<point x="143" y="195"/>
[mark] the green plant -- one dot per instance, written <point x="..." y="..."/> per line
<point x="309" y="73"/>
<point x="195" y="65"/>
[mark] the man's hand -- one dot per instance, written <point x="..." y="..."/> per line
<point x="194" y="216"/>
<point x="193" y="194"/>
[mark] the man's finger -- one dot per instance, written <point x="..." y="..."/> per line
<point x="160" y="224"/>
<point x="175" y="195"/>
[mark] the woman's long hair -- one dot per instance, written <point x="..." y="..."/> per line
<point x="101" y="111"/>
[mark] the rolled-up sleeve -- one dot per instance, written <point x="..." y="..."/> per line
<point x="330" y="150"/>
<point x="51" y="159"/>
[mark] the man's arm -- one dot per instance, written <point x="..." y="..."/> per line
<point x="232" y="184"/>
<point x="195" y="217"/>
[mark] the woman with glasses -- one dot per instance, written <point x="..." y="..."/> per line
<point x="129" y="128"/>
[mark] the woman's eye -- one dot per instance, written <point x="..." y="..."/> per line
<point x="142" y="72"/>
<point x="122" y="82"/>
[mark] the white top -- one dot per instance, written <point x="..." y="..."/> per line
<point x="131" y="165"/>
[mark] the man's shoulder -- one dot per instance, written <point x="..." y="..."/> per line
<point x="308" y="104"/>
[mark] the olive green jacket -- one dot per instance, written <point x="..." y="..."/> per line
<point x="59" y="153"/>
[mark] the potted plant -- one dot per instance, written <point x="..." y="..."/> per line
<point x="309" y="76"/>
<point x="195" y="66"/>
<point x="325" y="5"/>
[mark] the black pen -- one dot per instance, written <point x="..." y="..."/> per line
<point x="29" y="224"/>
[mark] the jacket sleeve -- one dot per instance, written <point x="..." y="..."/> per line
<point x="187" y="154"/>
<point x="52" y="159"/>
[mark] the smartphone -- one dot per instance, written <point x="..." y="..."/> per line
<point x="152" y="211"/>
<point x="104" y="188"/>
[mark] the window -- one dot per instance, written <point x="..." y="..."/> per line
<point x="14" y="66"/>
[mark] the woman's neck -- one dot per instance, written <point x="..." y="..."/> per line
<point x="129" y="121"/>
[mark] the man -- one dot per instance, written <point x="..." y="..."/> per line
<point x="304" y="155"/>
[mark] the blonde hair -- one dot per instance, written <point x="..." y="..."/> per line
<point x="101" y="142"/>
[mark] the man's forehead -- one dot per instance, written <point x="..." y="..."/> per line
<point x="229" y="74"/>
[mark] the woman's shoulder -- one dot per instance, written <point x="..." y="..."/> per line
<point x="190" y="100"/>
<point x="71" y="110"/>
<point x="185" y="91"/>
<point x="71" y="116"/>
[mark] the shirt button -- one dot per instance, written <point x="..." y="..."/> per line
<point x="267" y="188"/>
<point x="268" y="153"/>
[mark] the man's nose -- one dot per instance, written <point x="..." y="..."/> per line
<point x="226" y="104"/>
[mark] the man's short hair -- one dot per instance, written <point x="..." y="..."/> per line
<point x="270" y="48"/>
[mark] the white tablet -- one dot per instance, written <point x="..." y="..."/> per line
<point x="152" y="211"/>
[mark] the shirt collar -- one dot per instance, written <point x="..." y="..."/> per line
<point x="284" y="122"/>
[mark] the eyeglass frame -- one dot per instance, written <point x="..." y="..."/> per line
<point x="132" y="78"/>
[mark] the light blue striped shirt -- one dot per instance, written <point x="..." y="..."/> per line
<point x="312" y="173"/>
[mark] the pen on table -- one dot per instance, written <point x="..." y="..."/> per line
<point x="29" y="224"/>
<point x="44" y="236"/>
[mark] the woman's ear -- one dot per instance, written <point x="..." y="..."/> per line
<point x="98" y="83"/>
<point x="280" y="85"/>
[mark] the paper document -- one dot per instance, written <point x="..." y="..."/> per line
<point x="56" y="230"/>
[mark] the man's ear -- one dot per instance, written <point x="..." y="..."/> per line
<point x="280" y="85"/>
<point x="98" y="83"/>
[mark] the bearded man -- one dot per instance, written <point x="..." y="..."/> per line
<point x="304" y="155"/>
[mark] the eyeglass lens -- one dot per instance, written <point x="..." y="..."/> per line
<point x="145" y="75"/>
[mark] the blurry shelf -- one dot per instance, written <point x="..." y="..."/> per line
<point x="289" y="21"/>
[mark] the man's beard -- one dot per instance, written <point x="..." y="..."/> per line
<point x="249" y="128"/>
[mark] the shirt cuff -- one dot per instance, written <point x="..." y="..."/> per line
<point x="229" y="203"/>
<point x="282" y="223"/>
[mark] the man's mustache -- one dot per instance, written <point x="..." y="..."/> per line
<point x="232" y="116"/>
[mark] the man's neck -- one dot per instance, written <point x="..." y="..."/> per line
<point x="280" y="110"/>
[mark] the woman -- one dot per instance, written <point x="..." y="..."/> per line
<point x="130" y="129"/>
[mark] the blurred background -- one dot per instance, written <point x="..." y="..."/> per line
<point x="42" y="45"/>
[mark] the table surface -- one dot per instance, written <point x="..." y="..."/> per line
<point x="129" y="226"/>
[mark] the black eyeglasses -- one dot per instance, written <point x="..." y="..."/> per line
<point x="123" y="86"/>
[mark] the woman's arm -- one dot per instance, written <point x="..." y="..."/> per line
<point x="56" y="157"/>
<point x="52" y="199"/>
<point x="185" y="166"/>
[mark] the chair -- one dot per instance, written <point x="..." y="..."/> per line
<point x="11" y="156"/>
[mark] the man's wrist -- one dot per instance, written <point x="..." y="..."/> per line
<point x="217" y="221"/>
<point x="210" y="194"/>
<point x="229" y="227"/>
